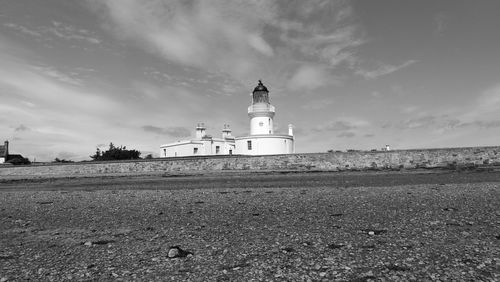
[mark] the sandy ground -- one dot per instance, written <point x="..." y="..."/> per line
<point x="253" y="226"/>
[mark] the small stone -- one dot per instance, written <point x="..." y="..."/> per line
<point x="173" y="252"/>
<point x="88" y="244"/>
<point x="114" y="274"/>
<point x="371" y="233"/>
<point x="322" y="274"/>
<point x="4" y="279"/>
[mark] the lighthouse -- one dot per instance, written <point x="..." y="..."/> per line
<point x="261" y="112"/>
<point x="262" y="139"/>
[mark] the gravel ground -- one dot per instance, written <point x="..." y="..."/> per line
<point x="253" y="227"/>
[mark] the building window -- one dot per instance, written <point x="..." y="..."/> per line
<point x="217" y="149"/>
<point x="195" y="151"/>
<point x="165" y="152"/>
<point x="249" y="144"/>
<point x="230" y="152"/>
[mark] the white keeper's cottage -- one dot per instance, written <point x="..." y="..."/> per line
<point x="261" y="141"/>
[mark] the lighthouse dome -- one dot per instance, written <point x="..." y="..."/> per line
<point x="260" y="87"/>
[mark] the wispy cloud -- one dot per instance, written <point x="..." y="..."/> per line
<point x="175" y="131"/>
<point x="21" y="127"/>
<point x="347" y="134"/>
<point x="441" y="21"/>
<point x="22" y="29"/>
<point x="383" y="69"/>
<point x="57" y="29"/>
<point x="69" y="32"/>
<point x="318" y="104"/>
<point x="53" y="73"/>
<point x="342" y="125"/>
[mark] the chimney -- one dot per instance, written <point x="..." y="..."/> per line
<point x="6" y="149"/>
<point x="290" y="129"/>
<point x="226" y="132"/>
<point x="200" y="130"/>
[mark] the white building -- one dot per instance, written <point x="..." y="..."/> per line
<point x="4" y="152"/>
<point x="261" y="141"/>
<point x="202" y="145"/>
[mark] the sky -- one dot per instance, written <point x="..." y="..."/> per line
<point x="78" y="74"/>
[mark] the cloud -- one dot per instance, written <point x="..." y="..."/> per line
<point x="69" y="32"/>
<point x="22" y="29"/>
<point x="21" y="127"/>
<point x="258" y="43"/>
<point x="346" y="135"/>
<point x="58" y="29"/>
<point x="309" y="78"/>
<point x="441" y="22"/>
<point x="382" y="70"/>
<point x="60" y="76"/>
<point x="322" y="30"/>
<point x="318" y="104"/>
<point x="485" y="111"/>
<point x="238" y="38"/>
<point x="342" y="125"/>
<point x="211" y="35"/>
<point x="174" y="131"/>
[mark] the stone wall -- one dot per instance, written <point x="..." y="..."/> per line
<point x="336" y="161"/>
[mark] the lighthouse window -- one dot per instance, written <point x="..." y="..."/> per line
<point x="249" y="144"/>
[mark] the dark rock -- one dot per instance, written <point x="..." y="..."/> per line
<point x="102" y="242"/>
<point x="177" y="252"/>
<point x="336" y="246"/>
<point x="45" y="202"/>
<point x="396" y="267"/>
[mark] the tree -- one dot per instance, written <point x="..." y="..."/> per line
<point x="19" y="161"/>
<point x="116" y="153"/>
<point x="57" y="160"/>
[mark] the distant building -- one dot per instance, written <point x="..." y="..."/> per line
<point x="202" y="145"/>
<point x="4" y="153"/>
<point x="261" y="141"/>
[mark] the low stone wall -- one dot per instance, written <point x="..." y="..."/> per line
<point x="336" y="161"/>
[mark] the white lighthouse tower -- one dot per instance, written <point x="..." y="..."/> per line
<point x="262" y="139"/>
<point x="261" y="112"/>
